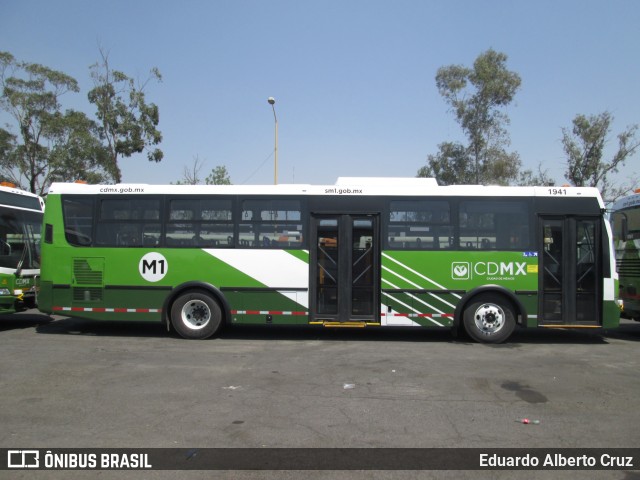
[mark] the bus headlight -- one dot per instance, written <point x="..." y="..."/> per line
<point x="620" y="303"/>
<point x="4" y="291"/>
<point x="17" y="291"/>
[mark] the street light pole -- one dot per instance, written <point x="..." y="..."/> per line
<point x="272" y="102"/>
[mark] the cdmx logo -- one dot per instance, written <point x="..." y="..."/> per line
<point x="465" y="270"/>
<point x="460" y="270"/>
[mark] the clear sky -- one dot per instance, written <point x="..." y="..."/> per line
<point x="354" y="80"/>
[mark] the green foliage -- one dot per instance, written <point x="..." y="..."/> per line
<point x="7" y="148"/>
<point x="542" y="178"/>
<point x="585" y="145"/>
<point x="191" y="175"/>
<point x="128" y="123"/>
<point x="477" y="97"/>
<point x="218" y="176"/>
<point x="33" y="157"/>
<point x="451" y="165"/>
<point x="77" y="151"/>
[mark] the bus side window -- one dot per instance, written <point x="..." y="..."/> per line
<point x="128" y="236"/>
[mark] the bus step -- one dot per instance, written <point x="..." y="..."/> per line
<point x="568" y="325"/>
<point x="349" y="324"/>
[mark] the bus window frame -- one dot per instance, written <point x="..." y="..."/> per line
<point x="454" y="222"/>
<point x="261" y="241"/>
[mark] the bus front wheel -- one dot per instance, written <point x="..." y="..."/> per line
<point x="196" y="315"/>
<point x="489" y="319"/>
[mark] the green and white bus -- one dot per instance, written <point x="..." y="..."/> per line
<point x="361" y="253"/>
<point x="20" y="224"/>
<point x="626" y="236"/>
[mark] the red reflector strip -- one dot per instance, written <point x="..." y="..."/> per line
<point x="107" y="310"/>
<point x="419" y="315"/>
<point x="266" y="312"/>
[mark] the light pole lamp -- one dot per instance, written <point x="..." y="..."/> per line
<point x="272" y="102"/>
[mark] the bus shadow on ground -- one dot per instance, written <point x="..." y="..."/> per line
<point x="520" y="337"/>
<point x="29" y="319"/>
<point x="79" y="326"/>
<point x="97" y="328"/>
<point x="366" y="334"/>
<point x="628" y="331"/>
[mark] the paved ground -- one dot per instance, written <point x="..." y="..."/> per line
<point x="74" y="383"/>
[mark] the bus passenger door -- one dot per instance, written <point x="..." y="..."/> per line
<point x="570" y="271"/>
<point x="345" y="270"/>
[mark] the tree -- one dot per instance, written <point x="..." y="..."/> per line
<point x="191" y="175"/>
<point x="7" y="147"/>
<point x="32" y="157"/>
<point x="477" y="97"/>
<point x="127" y="121"/>
<point x="585" y="145"/>
<point x="451" y="165"/>
<point x="77" y="152"/>
<point x="542" y="178"/>
<point x="218" y="176"/>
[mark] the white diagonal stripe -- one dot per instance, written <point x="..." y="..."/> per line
<point x="418" y="286"/>
<point x="418" y="274"/>
<point x="273" y="268"/>
<point x="411" y="296"/>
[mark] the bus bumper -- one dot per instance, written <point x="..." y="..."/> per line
<point x="17" y="301"/>
<point x="7" y="301"/>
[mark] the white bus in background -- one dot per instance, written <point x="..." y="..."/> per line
<point x="20" y="224"/>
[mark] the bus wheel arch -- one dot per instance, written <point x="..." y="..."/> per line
<point x="196" y="310"/>
<point x="488" y="314"/>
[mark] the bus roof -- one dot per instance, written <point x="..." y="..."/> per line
<point x="629" y="201"/>
<point x="14" y="197"/>
<point x="355" y="186"/>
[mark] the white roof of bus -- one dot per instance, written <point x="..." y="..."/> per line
<point x="356" y="186"/>
<point x="629" y="201"/>
<point x="17" y="191"/>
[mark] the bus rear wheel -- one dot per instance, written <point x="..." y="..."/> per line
<point x="196" y="315"/>
<point x="489" y="319"/>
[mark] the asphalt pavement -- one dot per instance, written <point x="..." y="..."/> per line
<point x="70" y="383"/>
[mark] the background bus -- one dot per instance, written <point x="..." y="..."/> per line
<point x="20" y="224"/>
<point x="363" y="252"/>
<point x="626" y="236"/>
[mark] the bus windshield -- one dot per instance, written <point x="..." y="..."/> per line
<point x="19" y="239"/>
<point x="632" y="219"/>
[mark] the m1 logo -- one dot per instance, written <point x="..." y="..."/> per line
<point x="153" y="267"/>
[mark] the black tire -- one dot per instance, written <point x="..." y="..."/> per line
<point x="196" y="315"/>
<point x="489" y="318"/>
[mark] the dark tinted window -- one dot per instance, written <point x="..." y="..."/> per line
<point x="273" y="223"/>
<point x="200" y="222"/>
<point x="420" y="224"/>
<point x="78" y="220"/>
<point x="130" y="222"/>
<point x="17" y="200"/>
<point x="494" y="224"/>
